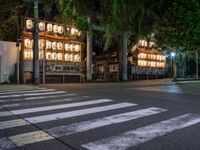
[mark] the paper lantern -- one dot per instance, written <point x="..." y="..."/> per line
<point x="67" y="57"/>
<point x="54" y="56"/>
<point x="67" y="47"/>
<point x="48" y="45"/>
<point x="54" y="45"/>
<point x="28" y="43"/>
<point x="49" y="27"/>
<point x="71" y="57"/>
<point x="29" y="24"/>
<point x="77" y="48"/>
<point x="60" y="29"/>
<point x="41" y="44"/>
<point x="77" y="58"/>
<point x="73" y="31"/>
<point x="60" y="56"/>
<point x="27" y="54"/>
<point x="71" y="47"/>
<point x="41" y="26"/>
<point x="55" y="28"/>
<point x="48" y="55"/>
<point x="59" y="46"/>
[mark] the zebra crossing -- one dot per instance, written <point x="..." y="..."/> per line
<point x="55" y="115"/>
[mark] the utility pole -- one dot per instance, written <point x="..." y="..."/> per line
<point x="124" y="57"/>
<point x="89" y="51"/>
<point x="36" y="72"/>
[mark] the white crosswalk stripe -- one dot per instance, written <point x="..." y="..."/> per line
<point x="75" y="113"/>
<point x="36" y="98"/>
<point x="54" y="107"/>
<point x="143" y="134"/>
<point x="32" y="94"/>
<point x="27" y="91"/>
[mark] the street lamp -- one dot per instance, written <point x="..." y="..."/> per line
<point x="36" y="72"/>
<point x="173" y="65"/>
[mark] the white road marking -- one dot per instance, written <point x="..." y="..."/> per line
<point x="11" y="105"/>
<point x="12" y="123"/>
<point x="30" y="137"/>
<point x="5" y="113"/>
<point x="27" y="91"/>
<point x="54" y="96"/>
<point x="39" y="136"/>
<point x="36" y="98"/>
<point x="54" y="107"/>
<point x="137" y="136"/>
<point x="39" y="102"/>
<point x="32" y="94"/>
<point x="75" y="113"/>
<point x="101" y="122"/>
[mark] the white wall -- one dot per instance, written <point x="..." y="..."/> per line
<point x="8" y="59"/>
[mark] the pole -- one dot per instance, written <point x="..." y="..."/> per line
<point x="35" y="46"/>
<point x="197" y="65"/>
<point x="89" y="51"/>
<point x="124" y="57"/>
<point x="18" y="59"/>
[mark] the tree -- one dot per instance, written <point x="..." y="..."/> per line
<point x="178" y="28"/>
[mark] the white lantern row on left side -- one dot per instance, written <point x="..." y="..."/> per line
<point x="51" y="27"/>
<point x="29" y="43"/>
<point x="28" y="54"/>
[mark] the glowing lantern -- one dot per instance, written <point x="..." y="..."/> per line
<point x="48" y="55"/>
<point x="54" y="45"/>
<point x="49" y="27"/>
<point x="73" y="31"/>
<point x="60" y="29"/>
<point x="71" y="47"/>
<point x="59" y="46"/>
<point x="28" y="43"/>
<point x="41" y="26"/>
<point x="77" y="48"/>
<point x="67" y="57"/>
<point x="71" y="57"/>
<point x="29" y="24"/>
<point x="55" y="28"/>
<point x="60" y="56"/>
<point x="77" y="58"/>
<point x="41" y="44"/>
<point x="54" y="56"/>
<point x="48" y="44"/>
<point x="67" y="47"/>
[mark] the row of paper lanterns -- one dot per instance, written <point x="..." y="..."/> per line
<point x="53" y="45"/>
<point x="55" y="28"/>
<point x="151" y="56"/>
<point x="145" y="63"/>
<point x="54" y="56"/>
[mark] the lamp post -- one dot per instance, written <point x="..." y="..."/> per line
<point x="173" y="65"/>
<point x="36" y="72"/>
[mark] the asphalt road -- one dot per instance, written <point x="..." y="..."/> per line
<point x="145" y="115"/>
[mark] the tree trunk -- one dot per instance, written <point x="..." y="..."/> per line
<point x="89" y="51"/>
